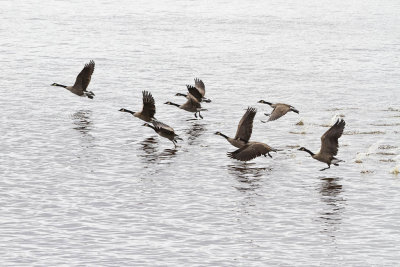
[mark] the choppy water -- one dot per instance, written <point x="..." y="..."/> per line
<point x="84" y="184"/>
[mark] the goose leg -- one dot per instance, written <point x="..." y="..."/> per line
<point x="329" y="166"/>
<point x="269" y="155"/>
<point x="195" y="114"/>
<point x="200" y="115"/>
<point x="89" y="95"/>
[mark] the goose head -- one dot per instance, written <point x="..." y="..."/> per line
<point x="264" y="102"/>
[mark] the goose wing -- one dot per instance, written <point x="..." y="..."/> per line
<point x="162" y="127"/>
<point x="83" y="79"/>
<point x="195" y="92"/>
<point x="200" y="86"/>
<point x="245" y="126"/>
<point x="329" y="140"/>
<point x="250" y="151"/>
<point x="191" y="103"/>
<point x="279" y="111"/>
<point x="149" y="107"/>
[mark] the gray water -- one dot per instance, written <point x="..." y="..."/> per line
<point x="85" y="185"/>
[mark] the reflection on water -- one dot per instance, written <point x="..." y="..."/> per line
<point x="81" y="120"/>
<point x="247" y="175"/>
<point x="249" y="181"/>
<point x="149" y="147"/>
<point x="196" y="130"/>
<point x="330" y="190"/>
<point x="151" y="155"/>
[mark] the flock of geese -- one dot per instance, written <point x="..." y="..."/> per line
<point x="247" y="150"/>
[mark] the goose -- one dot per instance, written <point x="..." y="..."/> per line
<point x="191" y="105"/>
<point x="82" y="81"/>
<point x="279" y="110"/>
<point x="164" y="130"/>
<point x="148" y="110"/>
<point x="244" y="129"/>
<point x="251" y="150"/>
<point x="198" y="91"/>
<point x="329" y="145"/>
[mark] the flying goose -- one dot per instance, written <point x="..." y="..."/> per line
<point x="164" y="131"/>
<point x="329" y="145"/>
<point x="251" y="150"/>
<point x="279" y="110"/>
<point x="82" y="81"/>
<point x="148" y="110"/>
<point x="198" y="91"/>
<point x="191" y="105"/>
<point x="244" y="129"/>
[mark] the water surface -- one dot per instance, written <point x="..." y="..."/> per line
<point x="83" y="184"/>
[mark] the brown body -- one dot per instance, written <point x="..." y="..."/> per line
<point x="191" y="105"/>
<point x="279" y="109"/>
<point x="251" y="150"/>
<point x="197" y="91"/>
<point x="244" y="129"/>
<point x="148" y="110"/>
<point x="164" y="130"/>
<point x="82" y="81"/>
<point x="329" y="145"/>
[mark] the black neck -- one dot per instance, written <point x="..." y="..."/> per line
<point x="173" y="104"/>
<point x="151" y="126"/>
<point x="126" y="110"/>
<point x="221" y="134"/>
<point x="179" y="94"/>
<point x="269" y="103"/>
<point x="308" y="151"/>
<point x="56" y="84"/>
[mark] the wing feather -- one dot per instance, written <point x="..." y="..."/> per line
<point x="195" y="92"/>
<point x="250" y="151"/>
<point x="245" y="126"/>
<point x="149" y="107"/>
<point x="279" y="111"/>
<point x="200" y="86"/>
<point x="83" y="79"/>
<point x="162" y="127"/>
<point x="329" y="140"/>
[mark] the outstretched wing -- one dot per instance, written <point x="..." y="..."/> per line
<point x="329" y="140"/>
<point x="279" y="111"/>
<point x="149" y="107"/>
<point x="162" y="127"/>
<point x="192" y="101"/>
<point x="249" y="151"/>
<point x="194" y="92"/>
<point x="245" y="126"/>
<point x="83" y="79"/>
<point x="200" y="86"/>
